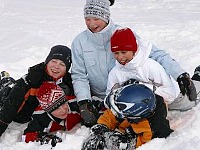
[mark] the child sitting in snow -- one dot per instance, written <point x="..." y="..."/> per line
<point x="55" y="112"/>
<point x="18" y="98"/>
<point x="133" y="62"/>
<point x="136" y="112"/>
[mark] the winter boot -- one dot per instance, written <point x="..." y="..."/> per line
<point x="6" y="80"/>
<point x="196" y="75"/>
<point x="6" y="83"/>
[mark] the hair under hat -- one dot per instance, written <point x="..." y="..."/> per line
<point x="50" y="96"/>
<point x="62" y="53"/>
<point x="98" y="8"/>
<point x="123" y="40"/>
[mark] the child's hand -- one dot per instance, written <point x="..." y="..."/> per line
<point x="99" y="129"/>
<point x="187" y="86"/>
<point x="94" y="142"/>
<point x="88" y="112"/>
<point x="45" y="138"/>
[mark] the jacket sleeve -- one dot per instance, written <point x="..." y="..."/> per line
<point x="112" y="81"/>
<point x="159" y="122"/>
<point x="79" y="73"/>
<point x="13" y="101"/>
<point x="161" y="80"/>
<point x="143" y="131"/>
<point x="171" y="66"/>
<point x="66" y="85"/>
<point x="108" y="119"/>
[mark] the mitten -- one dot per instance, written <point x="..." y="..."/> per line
<point x="130" y="81"/>
<point x="45" y="138"/>
<point x="196" y="75"/>
<point x="112" y="2"/>
<point x="88" y="112"/>
<point x="187" y="86"/>
<point x="99" y="129"/>
<point x="94" y="142"/>
<point x="35" y="74"/>
<point x="119" y="141"/>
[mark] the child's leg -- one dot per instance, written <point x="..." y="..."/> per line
<point x="182" y="103"/>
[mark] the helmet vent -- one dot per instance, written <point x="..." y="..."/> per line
<point x="121" y="106"/>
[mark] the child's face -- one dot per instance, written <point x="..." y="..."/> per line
<point x="61" y="112"/>
<point x="95" y="24"/>
<point x="56" y="68"/>
<point x="123" y="57"/>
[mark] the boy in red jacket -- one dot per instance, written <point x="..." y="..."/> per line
<point x="55" y="112"/>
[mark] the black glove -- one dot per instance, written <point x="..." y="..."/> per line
<point x="187" y="86"/>
<point x="36" y="75"/>
<point x="94" y="142"/>
<point x="119" y="141"/>
<point x="88" y="112"/>
<point x="112" y="2"/>
<point x="99" y="129"/>
<point x="130" y="81"/>
<point x="45" y="138"/>
<point x="196" y="75"/>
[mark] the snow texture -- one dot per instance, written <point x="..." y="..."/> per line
<point x="29" y="28"/>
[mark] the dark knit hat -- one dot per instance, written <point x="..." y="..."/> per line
<point x="62" y="53"/>
<point x="98" y="8"/>
<point x="50" y="96"/>
<point x="123" y="39"/>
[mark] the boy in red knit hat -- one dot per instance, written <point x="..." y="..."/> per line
<point x="133" y="63"/>
<point x="56" y="111"/>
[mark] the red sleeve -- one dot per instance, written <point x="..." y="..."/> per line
<point x="69" y="97"/>
<point x="72" y="120"/>
<point x="31" y="136"/>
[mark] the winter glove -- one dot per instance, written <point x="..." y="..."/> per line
<point x="45" y="138"/>
<point x="99" y="129"/>
<point x="130" y="81"/>
<point x="119" y="141"/>
<point x="88" y="112"/>
<point x="112" y="2"/>
<point x="6" y="83"/>
<point x="187" y="86"/>
<point x="36" y="75"/>
<point x="94" y="142"/>
<point x="196" y="75"/>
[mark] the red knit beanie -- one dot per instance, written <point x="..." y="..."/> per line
<point x="123" y="40"/>
<point x="50" y="96"/>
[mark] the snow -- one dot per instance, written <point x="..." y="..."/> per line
<point x="30" y="28"/>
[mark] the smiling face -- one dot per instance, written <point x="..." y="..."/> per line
<point x="95" y="24"/>
<point x="61" y="112"/>
<point x="123" y="57"/>
<point x="56" y="68"/>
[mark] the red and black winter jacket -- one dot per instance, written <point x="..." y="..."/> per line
<point x="21" y="102"/>
<point x="44" y="122"/>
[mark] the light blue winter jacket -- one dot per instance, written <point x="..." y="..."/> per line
<point x="92" y="60"/>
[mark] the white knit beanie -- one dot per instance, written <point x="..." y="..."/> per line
<point x="98" y="8"/>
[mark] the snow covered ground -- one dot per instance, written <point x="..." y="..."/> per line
<point x="29" y="28"/>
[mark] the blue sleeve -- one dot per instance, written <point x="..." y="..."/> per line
<point x="171" y="66"/>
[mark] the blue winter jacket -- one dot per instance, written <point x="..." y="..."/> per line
<point x="92" y="60"/>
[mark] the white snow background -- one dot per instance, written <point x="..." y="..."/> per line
<point x="29" y="28"/>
